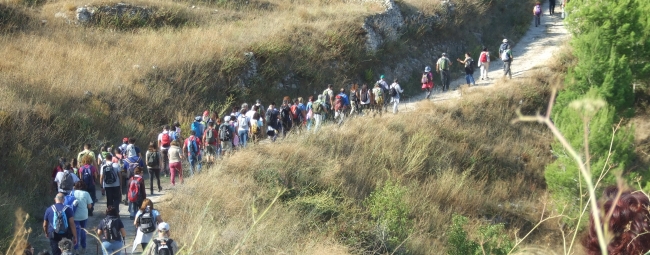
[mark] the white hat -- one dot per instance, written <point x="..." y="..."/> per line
<point x="427" y="69"/>
<point x="226" y="119"/>
<point x="163" y="226"/>
<point x="505" y="40"/>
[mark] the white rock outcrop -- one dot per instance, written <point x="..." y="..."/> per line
<point x="383" y="27"/>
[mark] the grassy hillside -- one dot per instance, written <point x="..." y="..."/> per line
<point x="419" y="168"/>
<point x="63" y="84"/>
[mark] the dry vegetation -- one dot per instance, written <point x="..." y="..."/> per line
<point x="461" y="157"/>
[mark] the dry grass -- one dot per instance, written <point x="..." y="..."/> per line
<point x="460" y="157"/>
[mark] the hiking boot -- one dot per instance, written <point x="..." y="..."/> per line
<point x="159" y="189"/>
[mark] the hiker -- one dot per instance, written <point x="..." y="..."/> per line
<point x="210" y="138"/>
<point x="154" y="160"/>
<point x="175" y="155"/>
<point x="260" y="107"/>
<point x="364" y="98"/>
<point x="285" y="116"/>
<point x="354" y="99"/>
<point x="328" y="99"/>
<point x="136" y="192"/>
<point x="197" y="127"/>
<point x="60" y="165"/>
<point x="318" y="108"/>
<point x="65" y="245"/>
<point x="384" y="86"/>
<point x="378" y="95"/>
<point x="192" y="146"/>
<point x="101" y="154"/>
<point x="175" y="131"/>
<point x="165" y="139"/>
<point x="243" y="124"/>
<point x="427" y="81"/>
<point x="235" y="126"/>
<point x="226" y="132"/>
<point x="626" y="214"/>
<point x="89" y="174"/>
<point x="297" y="113"/>
<point x="503" y="47"/>
<point x="302" y="116"/>
<point x="442" y="66"/>
<point x="146" y="221"/>
<point x="85" y="152"/>
<point x="257" y="122"/>
<point x="110" y="179"/>
<point x="537" y="12"/>
<point x="128" y="170"/>
<point x="395" y="91"/>
<point x="111" y="231"/>
<point x="341" y="105"/>
<point x="75" y="166"/>
<point x="469" y="68"/>
<point x="131" y="149"/>
<point x="163" y="244"/>
<point x="310" y="112"/>
<point x="506" y="57"/>
<point x="65" y="180"/>
<point x="58" y="223"/>
<point x="272" y="117"/>
<point x="551" y="6"/>
<point x="484" y="63"/>
<point x="564" y="11"/>
<point x="81" y="213"/>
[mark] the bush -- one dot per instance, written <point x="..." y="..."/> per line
<point x="492" y="239"/>
<point x="386" y="205"/>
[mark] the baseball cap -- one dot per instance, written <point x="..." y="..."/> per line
<point x="163" y="226"/>
<point x="197" y="118"/>
<point x="226" y="119"/>
<point x="381" y="77"/>
<point x="427" y="69"/>
<point x="444" y="54"/>
<point x="505" y="40"/>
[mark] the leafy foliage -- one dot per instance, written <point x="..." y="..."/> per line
<point x="491" y="239"/>
<point x="387" y="207"/>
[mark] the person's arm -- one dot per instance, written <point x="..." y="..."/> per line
<point x="438" y="66"/>
<point x="101" y="179"/>
<point x="73" y="227"/>
<point x="45" y="224"/>
<point x="184" y="146"/>
<point x="123" y="232"/>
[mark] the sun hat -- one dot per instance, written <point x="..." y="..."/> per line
<point x="226" y="119"/>
<point x="427" y="69"/>
<point x="163" y="226"/>
<point x="444" y="54"/>
<point x="505" y="40"/>
<point x="198" y="118"/>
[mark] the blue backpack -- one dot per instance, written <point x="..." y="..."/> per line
<point x="197" y="128"/>
<point x="192" y="148"/>
<point x="59" y="220"/>
<point x="68" y="201"/>
<point x="173" y="135"/>
<point x="87" y="176"/>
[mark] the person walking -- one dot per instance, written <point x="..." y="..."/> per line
<point x="58" y="223"/>
<point x="146" y="221"/>
<point x="506" y="57"/>
<point x="378" y="96"/>
<point x="442" y="66"/>
<point x="354" y="99"/>
<point x="87" y="151"/>
<point x="136" y="193"/>
<point x="484" y="63"/>
<point x="111" y="231"/>
<point x="395" y="91"/>
<point x="163" y="244"/>
<point x="89" y="174"/>
<point x="128" y="170"/>
<point x="210" y="142"/>
<point x="318" y="108"/>
<point x="110" y="180"/>
<point x="154" y="161"/>
<point x="243" y="128"/>
<point x="65" y="180"/>
<point x="328" y="99"/>
<point x="503" y="47"/>
<point x="192" y="146"/>
<point x="225" y="136"/>
<point x="469" y="68"/>
<point x="341" y="105"/>
<point x="285" y="116"/>
<point x="84" y="204"/>
<point x="364" y="99"/>
<point x="385" y="87"/>
<point x="165" y="139"/>
<point x="551" y="6"/>
<point x="175" y="155"/>
<point x="427" y="81"/>
<point x="537" y="12"/>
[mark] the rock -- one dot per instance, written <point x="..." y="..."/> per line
<point x="383" y="27"/>
<point x="84" y="15"/>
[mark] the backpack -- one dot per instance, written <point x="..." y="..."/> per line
<point x="68" y="200"/>
<point x="163" y="247"/>
<point x="393" y="91"/>
<point x="317" y="107"/>
<point x="147" y="222"/>
<point x="326" y="96"/>
<point x="267" y="116"/>
<point x="165" y="140"/>
<point x="425" y="78"/>
<point x="197" y="128"/>
<point x="537" y="10"/>
<point x="224" y="133"/>
<point x="134" y="189"/>
<point x="131" y="168"/>
<point x="443" y="63"/>
<point x="505" y="56"/>
<point x="364" y="96"/>
<point x="209" y="136"/>
<point x="109" y="175"/>
<point x="353" y="96"/>
<point x="153" y="159"/>
<point x="503" y="47"/>
<point x="87" y="175"/>
<point x="110" y="229"/>
<point x="470" y="66"/>
<point x="243" y="122"/>
<point x="130" y="151"/>
<point x="338" y="102"/>
<point x="67" y="182"/>
<point x="59" y="221"/>
<point x="295" y="112"/>
<point x="192" y="147"/>
<point x="284" y="113"/>
<point x="173" y="135"/>
<point x="483" y="57"/>
<point x="254" y="127"/>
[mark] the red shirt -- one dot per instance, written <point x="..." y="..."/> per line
<point x="198" y="144"/>
<point x="215" y="135"/>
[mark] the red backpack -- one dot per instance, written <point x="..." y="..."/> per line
<point x="134" y="189"/>
<point x="294" y="112"/>
<point x="165" y="140"/>
<point x="483" y="57"/>
<point x="338" y="103"/>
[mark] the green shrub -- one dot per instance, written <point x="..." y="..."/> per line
<point x="386" y="205"/>
<point x="492" y="239"/>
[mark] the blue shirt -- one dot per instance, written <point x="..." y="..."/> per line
<point x="135" y="160"/>
<point x="49" y="217"/>
<point x="344" y="99"/>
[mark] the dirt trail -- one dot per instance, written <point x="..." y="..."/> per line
<point x="534" y="49"/>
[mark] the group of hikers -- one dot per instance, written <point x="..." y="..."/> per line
<point x="119" y="172"/>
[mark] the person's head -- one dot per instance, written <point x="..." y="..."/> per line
<point x="444" y="55"/>
<point x="628" y="223"/>
<point x="258" y="101"/>
<point x="125" y="140"/>
<point x="62" y="161"/>
<point x="146" y="203"/>
<point x="175" y="143"/>
<point x="59" y="198"/>
<point x="67" y="166"/>
<point x="342" y="90"/>
<point x="272" y="104"/>
<point x="176" y="124"/>
<point x="211" y="123"/>
<point x="112" y="211"/>
<point x="243" y="111"/>
<point x="108" y="157"/>
<point x="505" y="40"/>
<point x="300" y="100"/>
<point x="296" y="101"/>
<point x="138" y="170"/>
<point x="198" y="118"/>
<point x="364" y="86"/>
<point x="467" y="54"/>
<point x="320" y="97"/>
<point x="311" y="99"/>
<point x="74" y="162"/>
<point x="131" y="140"/>
<point x="508" y="47"/>
<point x="226" y="119"/>
<point x="427" y="69"/>
<point x="484" y="48"/>
<point x="87" y="160"/>
<point x="395" y="80"/>
<point x="206" y="113"/>
<point x="382" y="77"/>
<point x="166" y="128"/>
<point x="163" y="229"/>
<point x="192" y="132"/>
<point x="537" y="3"/>
<point x="80" y="186"/>
<point x="29" y="250"/>
<point x="244" y="106"/>
<point x="376" y="85"/>
<point x="330" y="86"/>
<point x="152" y="146"/>
<point x="355" y="86"/>
<point x="103" y="148"/>
<point x="87" y="146"/>
<point x="65" y="244"/>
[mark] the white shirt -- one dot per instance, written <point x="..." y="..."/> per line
<point x="160" y="138"/>
<point x="59" y="178"/>
<point x="397" y="88"/>
<point x="116" y="171"/>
